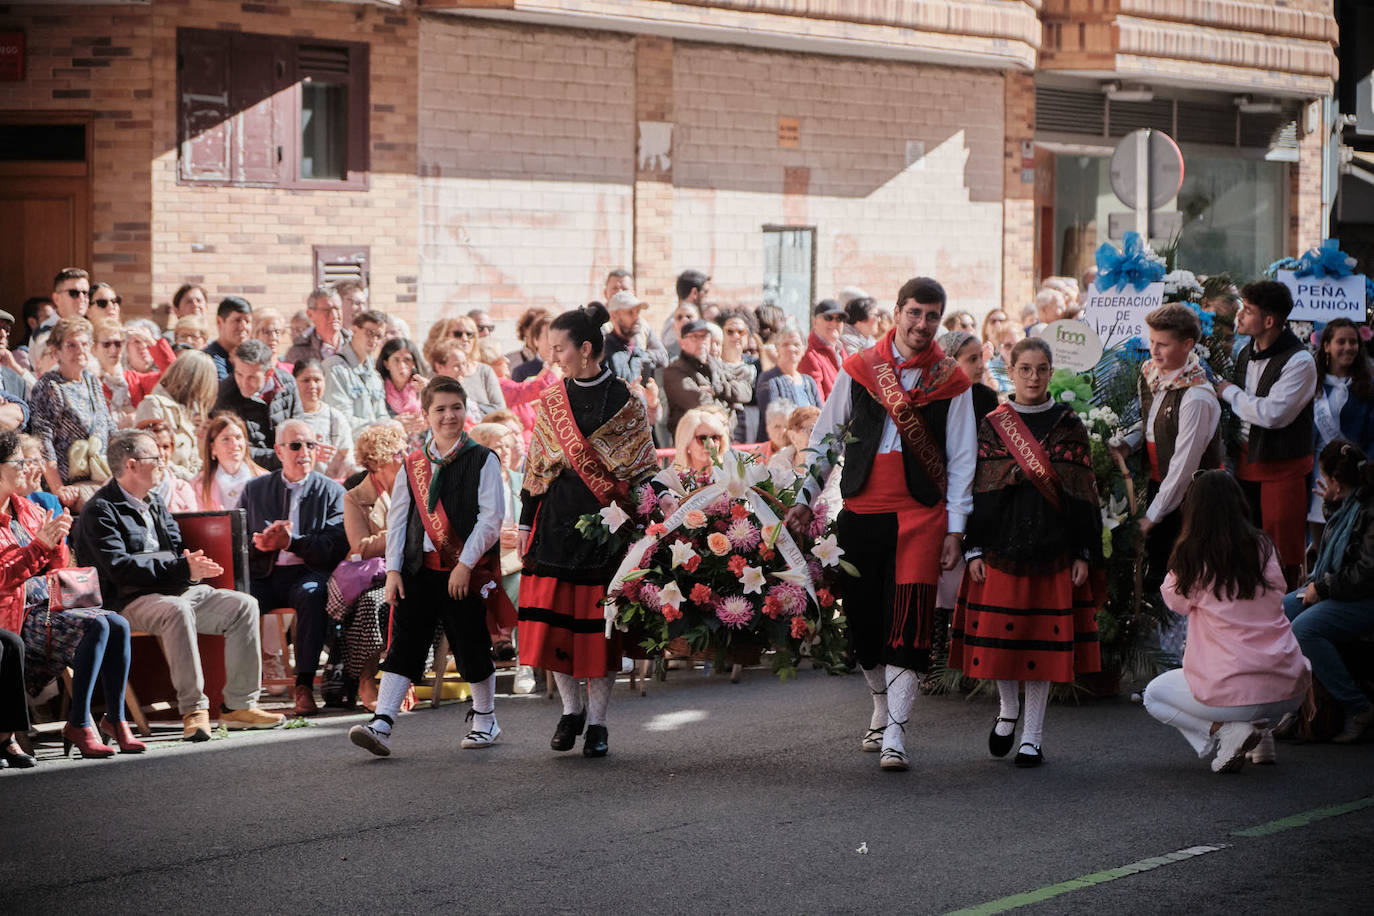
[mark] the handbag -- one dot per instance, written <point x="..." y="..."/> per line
<point x="72" y="588"/>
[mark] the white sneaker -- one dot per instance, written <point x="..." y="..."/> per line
<point x="1264" y="751"/>
<point x="369" y="739"/>
<point x="1233" y="740"/>
<point x="475" y="740"/>
<point x="524" y="680"/>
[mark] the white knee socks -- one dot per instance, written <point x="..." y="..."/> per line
<point x="901" y="690"/>
<point x="598" y="698"/>
<point x="483" y="703"/>
<point x="1037" y="699"/>
<point x="1009" y="693"/>
<point x="877" y="686"/>
<point x="570" y="690"/>
<point x="390" y="695"/>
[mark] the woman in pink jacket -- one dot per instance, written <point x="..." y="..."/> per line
<point x="1242" y="664"/>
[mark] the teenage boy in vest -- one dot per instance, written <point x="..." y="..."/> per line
<point x="1275" y="378"/>
<point x="907" y="494"/>
<point x="445" y="519"/>
<point x="1179" y="427"/>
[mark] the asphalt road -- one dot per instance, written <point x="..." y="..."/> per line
<point x="716" y="798"/>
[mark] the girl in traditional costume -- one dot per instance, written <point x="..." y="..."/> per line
<point x="1025" y="614"/>
<point x="591" y="443"/>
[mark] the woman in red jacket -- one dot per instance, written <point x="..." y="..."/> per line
<point x="91" y="641"/>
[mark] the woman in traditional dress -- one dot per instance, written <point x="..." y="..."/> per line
<point x="1025" y="613"/>
<point x="1344" y="403"/>
<point x="591" y="443"/>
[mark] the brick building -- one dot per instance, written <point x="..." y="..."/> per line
<point x="504" y="153"/>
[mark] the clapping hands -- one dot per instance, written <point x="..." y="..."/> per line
<point x="53" y="530"/>
<point x="276" y="536"/>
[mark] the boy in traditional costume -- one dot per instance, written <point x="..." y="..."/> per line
<point x="1275" y="380"/>
<point x="904" y="416"/>
<point x="442" y="534"/>
<point x="1179" y="426"/>
<point x="591" y="443"/>
<point x="1026" y="611"/>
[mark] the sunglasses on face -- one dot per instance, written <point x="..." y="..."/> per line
<point x="79" y="293"/>
<point x="297" y="446"/>
<point x="462" y="335"/>
<point x="833" y="319"/>
<point x="707" y="440"/>
<point x="486" y="328"/>
<point x="112" y="344"/>
<point x="106" y="303"/>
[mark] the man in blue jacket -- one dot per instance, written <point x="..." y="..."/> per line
<point x="296" y="515"/>
<point x="133" y="542"/>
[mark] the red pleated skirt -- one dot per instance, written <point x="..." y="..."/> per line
<point x="563" y="628"/>
<point x="1025" y="628"/>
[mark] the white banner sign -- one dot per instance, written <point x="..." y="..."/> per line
<point x="1117" y="315"/>
<point x="1321" y="299"/>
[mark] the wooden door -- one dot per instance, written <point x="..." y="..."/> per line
<point x="48" y="220"/>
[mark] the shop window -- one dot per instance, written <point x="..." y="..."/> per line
<point x="789" y="270"/>
<point x="271" y="110"/>
<point x="337" y="263"/>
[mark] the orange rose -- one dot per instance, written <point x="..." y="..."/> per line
<point x="718" y="543"/>
<point x="694" y="519"/>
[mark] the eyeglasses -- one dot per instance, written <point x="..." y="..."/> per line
<point x="832" y="318"/>
<point x="79" y="293"/>
<point x="271" y="332"/>
<point x="1034" y="371"/>
<point x="373" y="333"/>
<point x="22" y="462"/>
<point x="106" y="303"/>
<point x="297" y="446"/>
<point x="486" y="328"/>
<point x="112" y="344"/>
<point x="464" y="335"/>
<point x="76" y="344"/>
<point x="158" y="459"/>
<point x="707" y="440"/>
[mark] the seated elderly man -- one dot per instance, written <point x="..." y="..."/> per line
<point x="263" y="395"/>
<point x="131" y="539"/>
<point x="297" y="516"/>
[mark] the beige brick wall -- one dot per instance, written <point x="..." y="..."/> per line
<point x="526" y="157"/>
<point x="879" y="222"/>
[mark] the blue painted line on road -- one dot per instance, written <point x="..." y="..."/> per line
<point x="1294" y="821"/>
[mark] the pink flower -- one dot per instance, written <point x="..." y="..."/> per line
<point x="648" y="596"/>
<point x="799" y="627"/>
<point x="648" y="502"/>
<point x="718" y="543"/>
<point x="736" y="565"/>
<point x="629" y="590"/>
<point x="692" y="564"/>
<point x="671" y="613"/>
<point x="657" y="530"/>
<point x="791" y="599"/>
<point x="694" y="519"/>
<point x="1366" y="333"/>
<point x="701" y="594"/>
<point x="735" y="611"/>
<point x="719" y="507"/>
<point x="742" y="534"/>
<point x="825" y="598"/>
<point x="738" y="511"/>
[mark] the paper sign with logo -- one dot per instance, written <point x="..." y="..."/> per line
<point x="1323" y="298"/>
<point x="1119" y="314"/>
<point x="1075" y="345"/>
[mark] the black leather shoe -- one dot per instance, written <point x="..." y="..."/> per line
<point x="11" y="755"/>
<point x="569" y="727"/>
<point x="1000" y="744"/>
<point x="595" y="743"/>
<point x="1025" y="760"/>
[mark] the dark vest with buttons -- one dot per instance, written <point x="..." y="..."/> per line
<point x="1287" y="442"/>
<point x="866" y="420"/>
<point x="459" y="499"/>
<point x="1166" y="429"/>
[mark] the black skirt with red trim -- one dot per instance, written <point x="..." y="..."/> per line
<point x="1025" y="628"/>
<point x="562" y="627"/>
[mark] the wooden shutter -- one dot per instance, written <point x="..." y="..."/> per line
<point x="204" y="108"/>
<point x="258" y="73"/>
<point x="336" y="263"/>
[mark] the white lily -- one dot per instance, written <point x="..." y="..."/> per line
<point x="753" y="580"/>
<point x="682" y="552"/>
<point x="668" y="477"/>
<point x="614" y="517"/>
<point x="828" y="551"/>
<point x="783" y="477"/>
<point x="800" y="576"/>
<point x="671" y="596"/>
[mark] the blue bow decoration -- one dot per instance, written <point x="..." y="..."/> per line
<point x="1204" y="318"/>
<point x="1326" y="261"/>
<point x="1133" y="266"/>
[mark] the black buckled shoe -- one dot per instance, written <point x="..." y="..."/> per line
<point x="12" y="755"/>
<point x="1025" y="760"/>
<point x="999" y="745"/>
<point x="569" y="727"/>
<point x="595" y="744"/>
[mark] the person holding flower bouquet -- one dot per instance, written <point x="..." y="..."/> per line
<point x="591" y="444"/>
<point x="1025" y="614"/>
<point x="1179" y="427"/>
<point x="903" y="414"/>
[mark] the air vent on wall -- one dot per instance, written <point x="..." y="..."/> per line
<point x="1203" y="123"/>
<point x="1070" y="111"/>
<point x="1124" y="117"/>
<point x="323" y="59"/>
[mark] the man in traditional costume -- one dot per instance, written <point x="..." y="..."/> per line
<point x="591" y="443"/>
<point x="442" y="533"/>
<point x="902" y="414"/>
<point x="1275" y="380"/>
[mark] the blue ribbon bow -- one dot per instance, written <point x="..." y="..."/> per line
<point x="1326" y="261"/>
<point x="1131" y="266"/>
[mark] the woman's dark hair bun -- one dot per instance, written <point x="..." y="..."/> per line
<point x="597" y="313"/>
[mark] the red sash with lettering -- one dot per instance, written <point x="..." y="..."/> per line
<point x="941" y="378"/>
<point x="581" y="456"/>
<point x="1029" y="454"/>
<point x="436" y="523"/>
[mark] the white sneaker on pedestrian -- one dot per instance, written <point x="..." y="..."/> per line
<point x="478" y="739"/>
<point x="369" y="739"/>
<point x="1233" y="740"/>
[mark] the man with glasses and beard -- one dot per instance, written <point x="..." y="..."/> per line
<point x="296" y="516"/>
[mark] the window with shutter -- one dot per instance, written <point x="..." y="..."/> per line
<point x="272" y="110"/>
<point x="336" y="263"/>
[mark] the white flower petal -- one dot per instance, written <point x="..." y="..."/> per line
<point x="671" y="595"/>
<point x="614" y="516"/>
<point x="753" y="580"/>
<point x="682" y="552"/>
